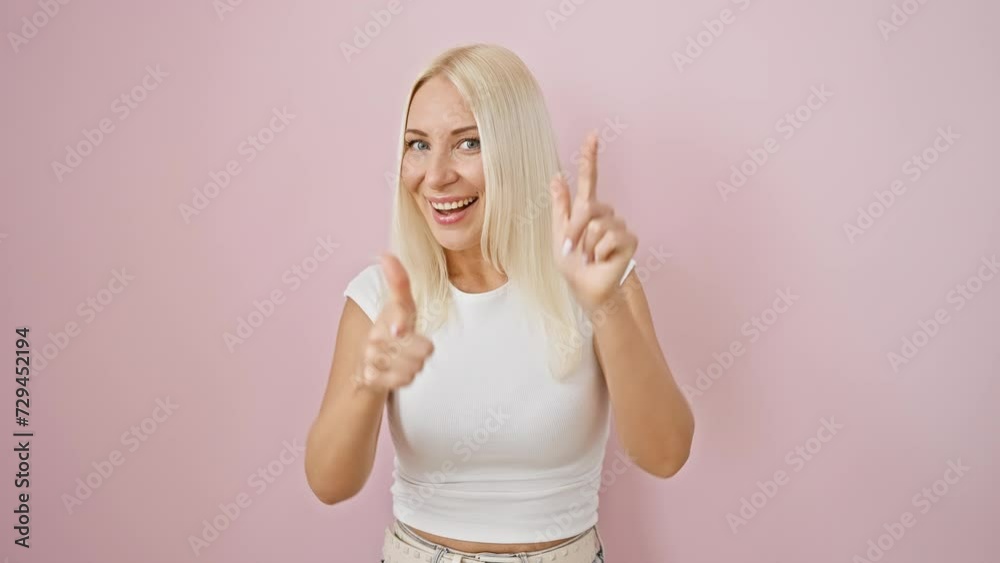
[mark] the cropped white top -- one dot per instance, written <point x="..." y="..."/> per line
<point x="489" y="446"/>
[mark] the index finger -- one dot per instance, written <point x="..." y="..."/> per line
<point x="398" y="282"/>
<point x="397" y="279"/>
<point x="586" y="186"/>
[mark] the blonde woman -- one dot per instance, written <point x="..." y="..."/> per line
<point x="499" y="341"/>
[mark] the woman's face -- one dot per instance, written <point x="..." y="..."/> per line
<point x="442" y="164"/>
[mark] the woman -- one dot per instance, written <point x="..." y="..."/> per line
<point x="500" y="339"/>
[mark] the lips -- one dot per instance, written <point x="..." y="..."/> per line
<point x="451" y="212"/>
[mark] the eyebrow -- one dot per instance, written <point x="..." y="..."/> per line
<point x="455" y="132"/>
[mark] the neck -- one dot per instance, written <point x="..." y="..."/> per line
<point x="470" y="272"/>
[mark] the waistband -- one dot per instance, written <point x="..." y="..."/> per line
<point x="403" y="546"/>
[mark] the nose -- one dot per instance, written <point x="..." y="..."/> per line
<point x="440" y="170"/>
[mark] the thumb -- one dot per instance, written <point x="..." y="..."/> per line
<point x="400" y="295"/>
<point x="560" y="207"/>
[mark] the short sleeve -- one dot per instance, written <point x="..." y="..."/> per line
<point x="367" y="290"/>
<point x="631" y="264"/>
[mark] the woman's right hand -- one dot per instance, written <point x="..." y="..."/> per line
<point x="395" y="352"/>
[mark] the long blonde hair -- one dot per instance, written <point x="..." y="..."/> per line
<point x="519" y="156"/>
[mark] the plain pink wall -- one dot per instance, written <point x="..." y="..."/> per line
<point x="208" y="79"/>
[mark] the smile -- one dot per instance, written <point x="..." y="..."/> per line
<point x="453" y="211"/>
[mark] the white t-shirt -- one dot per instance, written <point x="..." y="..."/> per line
<point x="489" y="446"/>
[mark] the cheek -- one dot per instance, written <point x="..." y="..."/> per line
<point x="410" y="176"/>
<point x="473" y="173"/>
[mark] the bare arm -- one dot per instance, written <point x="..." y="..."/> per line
<point x="653" y="419"/>
<point x="340" y="449"/>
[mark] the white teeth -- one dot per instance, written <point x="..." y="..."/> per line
<point x="453" y="204"/>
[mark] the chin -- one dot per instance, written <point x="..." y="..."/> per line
<point x="455" y="241"/>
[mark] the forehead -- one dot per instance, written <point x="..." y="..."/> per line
<point x="438" y="105"/>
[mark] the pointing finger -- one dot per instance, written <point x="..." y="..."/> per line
<point x="400" y="295"/>
<point x="586" y="187"/>
<point x="560" y="207"/>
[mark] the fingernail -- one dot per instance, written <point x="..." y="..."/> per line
<point x="567" y="247"/>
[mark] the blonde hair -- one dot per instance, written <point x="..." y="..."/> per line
<point x="519" y="158"/>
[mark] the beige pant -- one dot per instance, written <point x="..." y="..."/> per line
<point x="403" y="546"/>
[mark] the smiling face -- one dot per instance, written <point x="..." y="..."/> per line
<point x="442" y="164"/>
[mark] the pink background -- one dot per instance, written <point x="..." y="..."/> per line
<point x="324" y="176"/>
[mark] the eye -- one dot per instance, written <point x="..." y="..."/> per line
<point x="472" y="143"/>
<point x="417" y="144"/>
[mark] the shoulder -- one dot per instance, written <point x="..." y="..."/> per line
<point x="367" y="289"/>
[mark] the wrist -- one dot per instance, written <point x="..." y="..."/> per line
<point x="368" y="393"/>
<point x="605" y="305"/>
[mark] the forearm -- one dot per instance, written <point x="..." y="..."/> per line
<point x="340" y="449"/>
<point x="652" y="416"/>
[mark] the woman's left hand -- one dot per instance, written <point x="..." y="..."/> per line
<point x="592" y="246"/>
